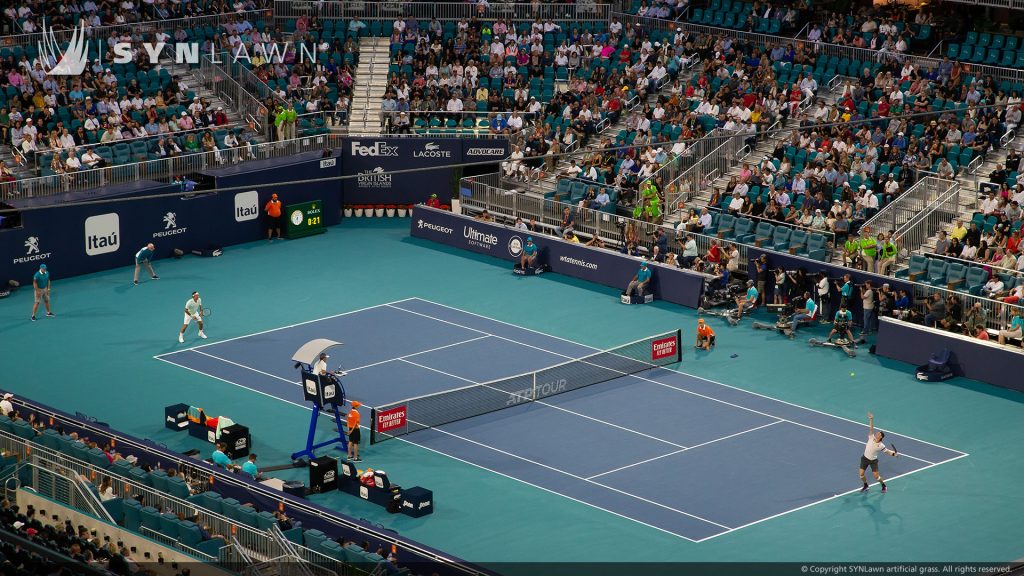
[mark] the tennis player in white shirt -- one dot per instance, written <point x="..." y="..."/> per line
<point x="871" y="450"/>
<point x="193" y="311"/>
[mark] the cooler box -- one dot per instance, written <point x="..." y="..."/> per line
<point x="417" y="501"/>
<point x="323" y="475"/>
<point x="295" y="488"/>
<point x="236" y="441"/>
<point x="176" y="417"/>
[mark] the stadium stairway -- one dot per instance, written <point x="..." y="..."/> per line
<point x="371" y="78"/>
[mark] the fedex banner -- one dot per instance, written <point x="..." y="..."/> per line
<point x="368" y="159"/>
<point x="593" y="264"/>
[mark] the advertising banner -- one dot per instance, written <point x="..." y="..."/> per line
<point x="369" y="158"/>
<point x="593" y="264"/>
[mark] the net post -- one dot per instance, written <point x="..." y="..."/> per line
<point x="533" y="395"/>
<point x="373" y="425"/>
<point x="679" y="344"/>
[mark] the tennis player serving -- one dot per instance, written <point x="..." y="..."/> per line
<point x="193" y="311"/>
<point x="871" y="450"/>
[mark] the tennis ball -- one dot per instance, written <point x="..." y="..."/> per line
<point x="852" y="374"/>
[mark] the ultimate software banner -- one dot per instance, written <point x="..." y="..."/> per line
<point x="368" y="159"/>
<point x="593" y="264"/>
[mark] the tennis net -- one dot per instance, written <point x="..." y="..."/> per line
<point x="413" y="414"/>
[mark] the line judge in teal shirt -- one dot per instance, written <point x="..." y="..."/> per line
<point x="41" y="288"/>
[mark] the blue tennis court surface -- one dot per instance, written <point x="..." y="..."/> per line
<point x="679" y="453"/>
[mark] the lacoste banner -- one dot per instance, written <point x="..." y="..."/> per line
<point x="369" y="159"/>
<point x="593" y="264"/>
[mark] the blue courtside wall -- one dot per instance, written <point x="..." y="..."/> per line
<point x="74" y="239"/>
<point x="985" y="361"/>
<point x="368" y="157"/>
<point x="576" y="260"/>
<point x="245" y="489"/>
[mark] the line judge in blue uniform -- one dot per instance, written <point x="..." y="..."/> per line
<point x="529" y="257"/>
<point x="640" y="281"/>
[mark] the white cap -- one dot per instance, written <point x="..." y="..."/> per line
<point x="863" y="187"/>
<point x="8" y="396"/>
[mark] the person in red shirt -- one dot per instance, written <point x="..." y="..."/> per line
<point x="714" y="254"/>
<point x="273" y="210"/>
<point x="433" y="202"/>
<point x="352" y="422"/>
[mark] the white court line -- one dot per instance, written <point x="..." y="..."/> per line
<point x="571" y="475"/>
<point x="278" y="398"/>
<point x="246" y="367"/>
<point x="659" y="368"/>
<point x="391" y="304"/>
<point x="840" y="495"/>
<point x="544" y="488"/>
<point x="407" y="441"/>
<point x="387" y="304"/>
<point x="712" y="398"/>
<point x="684" y="449"/>
<point x="418" y="353"/>
<point x="542" y="403"/>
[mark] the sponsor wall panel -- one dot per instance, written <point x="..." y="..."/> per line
<point x="370" y="158"/>
<point x="80" y="239"/>
<point x="592" y="264"/>
<point x="984" y="361"/>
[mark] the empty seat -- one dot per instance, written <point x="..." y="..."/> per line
<point x="915" y="268"/>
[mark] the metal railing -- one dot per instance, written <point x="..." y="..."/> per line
<point x="257" y="543"/>
<point x="822" y="48"/>
<point x="148" y="139"/>
<point x="580" y="11"/>
<point x="60" y="485"/>
<point x="197" y="472"/>
<point x="938" y="215"/>
<point x="239" y="88"/>
<point x="162" y="169"/>
<point x="917" y="199"/>
<point x="547" y="214"/>
<point x="707" y="157"/>
<point x="101" y="33"/>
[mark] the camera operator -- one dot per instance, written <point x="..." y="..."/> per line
<point x="841" y="323"/>
<point x="975" y="316"/>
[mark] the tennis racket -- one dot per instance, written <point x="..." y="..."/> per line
<point x="895" y="452"/>
<point x="206" y="312"/>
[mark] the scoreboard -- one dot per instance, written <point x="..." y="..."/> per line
<point x="304" y="219"/>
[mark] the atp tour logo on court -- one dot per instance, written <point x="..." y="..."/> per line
<point x="247" y="206"/>
<point x="391" y="419"/>
<point x="515" y="246"/>
<point x="102" y="234"/>
<point x="539" y="391"/>
<point x="664" y="348"/>
<point x="170" y="226"/>
<point x="475" y="237"/>
<point x="32" y="251"/>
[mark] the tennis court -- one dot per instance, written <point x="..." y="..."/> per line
<point x="685" y="455"/>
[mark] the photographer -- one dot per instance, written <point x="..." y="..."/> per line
<point x="936" y="310"/>
<point x="953" y="313"/>
<point x="845" y="290"/>
<point x="824" y="295"/>
<point x="841" y="323"/>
